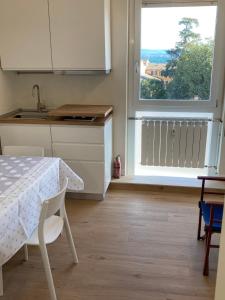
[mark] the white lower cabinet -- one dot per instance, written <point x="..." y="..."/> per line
<point x="86" y="149"/>
<point x="26" y="135"/>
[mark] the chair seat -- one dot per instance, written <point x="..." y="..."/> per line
<point x="218" y="215"/>
<point x="52" y="229"/>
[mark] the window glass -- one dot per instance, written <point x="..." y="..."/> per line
<point x="176" y="55"/>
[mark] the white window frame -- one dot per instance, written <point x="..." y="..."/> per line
<point x="214" y="104"/>
<point x="217" y="84"/>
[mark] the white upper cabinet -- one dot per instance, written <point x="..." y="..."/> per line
<point x="80" y="34"/>
<point x="58" y="35"/>
<point x="24" y="35"/>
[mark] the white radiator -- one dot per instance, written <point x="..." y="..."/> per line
<point x="174" y="143"/>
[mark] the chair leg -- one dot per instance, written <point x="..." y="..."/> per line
<point x="199" y="225"/>
<point x="25" y="252"/>
<point x="48" y="272"/>
<point x="208" y="244"/>
<point x="1" y="282"/>
<point x="70" y="239"/>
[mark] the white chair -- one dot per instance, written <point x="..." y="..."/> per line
<point x="49" y="228"/>
<point x="23" y="150"/>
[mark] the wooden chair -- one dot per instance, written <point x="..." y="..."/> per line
<point x="212" y="214"/>
<point x="49" y="228"/>
<point x="23" y="150"/>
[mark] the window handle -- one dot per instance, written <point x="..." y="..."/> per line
<point x="137" y="67"/>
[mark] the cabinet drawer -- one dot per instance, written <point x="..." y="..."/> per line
<point x="79" y="151"/>
<point x="78" y="134"/>
<point x="92" y="174"/>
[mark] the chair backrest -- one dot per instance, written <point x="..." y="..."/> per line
<point x="52" y="205"/>
<point x="23" y="150"/>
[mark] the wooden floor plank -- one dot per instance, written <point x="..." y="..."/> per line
<point x="132" y="246"/>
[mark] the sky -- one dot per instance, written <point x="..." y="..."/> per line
<point x="160" y="29"/>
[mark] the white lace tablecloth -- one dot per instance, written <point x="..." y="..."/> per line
<point x="24" y="183"/>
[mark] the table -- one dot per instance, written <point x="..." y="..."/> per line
<point x="24" y="183"/>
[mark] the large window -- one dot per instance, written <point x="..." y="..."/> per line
<point x="176" y="69"/>
<point x="176" y="52"/>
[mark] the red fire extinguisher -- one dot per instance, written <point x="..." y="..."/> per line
<point x="117" y="167"/>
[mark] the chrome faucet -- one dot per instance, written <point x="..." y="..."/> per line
<point x="40" y="106"/>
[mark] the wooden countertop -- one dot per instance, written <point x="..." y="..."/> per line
<point x="99" y="111"/>
<point x="51" y="120"/>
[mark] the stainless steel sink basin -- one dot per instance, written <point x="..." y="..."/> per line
<point x="23" y="114"/>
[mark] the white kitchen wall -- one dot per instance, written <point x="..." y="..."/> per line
<point x="7" y="101"/>
<point x="96" y="89"/>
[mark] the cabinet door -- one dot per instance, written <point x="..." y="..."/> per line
<point x="80" y="34"/>
<point x="92" y="174"/>
<point x="24" y="35"/>
<point x="26" y="135"/>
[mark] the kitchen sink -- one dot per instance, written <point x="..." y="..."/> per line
<point x="31" y="115"/>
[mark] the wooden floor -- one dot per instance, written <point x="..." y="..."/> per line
<point x="132" y="246"/>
